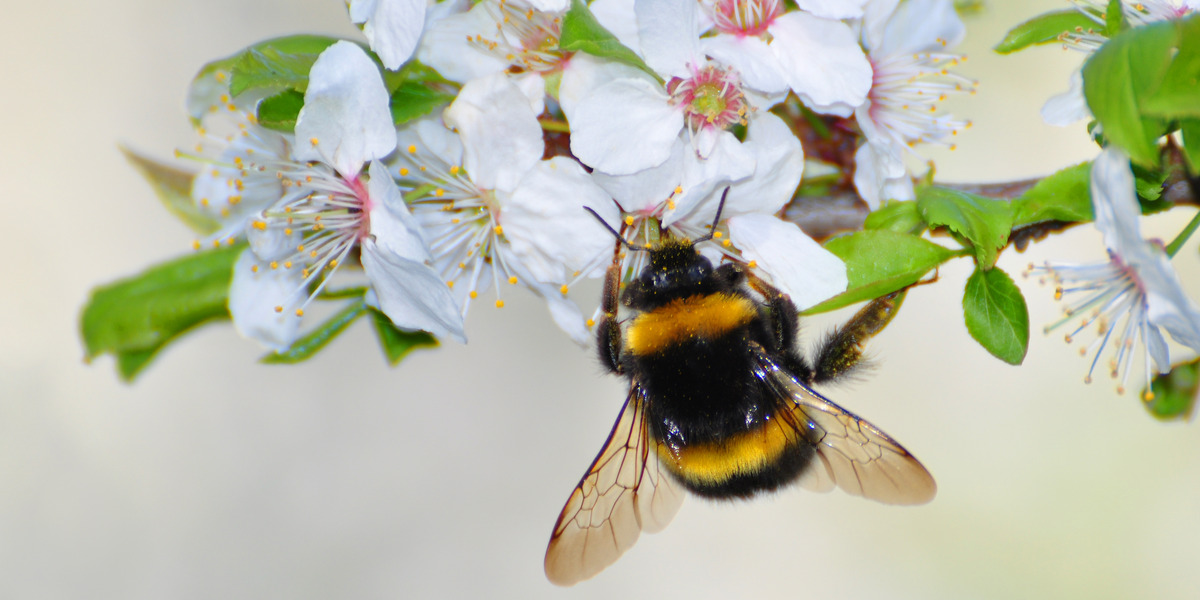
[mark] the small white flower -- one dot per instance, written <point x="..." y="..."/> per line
<point x="495" y="212"/>
<point x="749" y="231"/>
<point x="1137" y="285"/>
<point x="392" y="27"/>
<point x="328" y="209"/>
<point x="907" y="49"/>
<point x="1069" y="107"/>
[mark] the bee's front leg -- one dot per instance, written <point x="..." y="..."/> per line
<point x="841" y="351"/>
<point x="608" y="331"/>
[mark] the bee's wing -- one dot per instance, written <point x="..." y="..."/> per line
<point x="851" y="453"/>
<point x="624" y="492"/>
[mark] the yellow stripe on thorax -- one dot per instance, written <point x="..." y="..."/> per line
<point x="706" y="316"/>
<point x="743" y="454"/>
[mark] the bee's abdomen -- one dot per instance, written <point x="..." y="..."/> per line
<point x="760" y="459"/>
<point x="688" y="320"/>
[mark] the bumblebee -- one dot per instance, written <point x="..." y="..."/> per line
<point x="720" y="404"/>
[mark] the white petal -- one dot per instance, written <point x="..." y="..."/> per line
<point x="534" y="87"/>
<point x="397" y="262"/>
<point x="669" y="34"/>
<point x="779" y="164"/>
<point x="753" y="59"/>
<point x="618" y="18"/>
<point x="822" y="62"/>
<point x="446" y="48"/>
<point x="428" y="135"/>
<point x="799" y="267"/>
<point x="253" y="297"/>
<point x="584" y="73"/>
<point x="876" y="15"/>
<point x="833" y="9"/>
<point x="272" y="243"/>
<point x="921" y="25"/>
<point x="1114" y="201"/>
<point x="625" y="126"/>
<point x="645" y="190"/>
<point x="1068" y="107"/>
<point x="730" y="161"/>
<point x="1167" y="305"/>
<point x="547" y="227"/>
<point x="345" y="111"/>
<point x="500" y="134"/>
<point x="549" y="5"/>
<point x="878" y="175"/>
<point x="392" y="27"/>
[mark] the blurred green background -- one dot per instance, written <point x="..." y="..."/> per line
<point x="214" y="476"/>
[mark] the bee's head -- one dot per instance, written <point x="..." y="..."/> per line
<point x="676" y="270"/>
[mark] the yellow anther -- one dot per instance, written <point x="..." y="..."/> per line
<point x="450" y="284"/>
<point x="312" y="141"/>
<point x="412" y="149"/>
<point x="274" y="264"/>
<point x="204" y="202"/>
<point x="287" y="264"/>
<point x="195" y="244"/>
<point x="253" y="268"/>
<point x="462" y="265"/>
<point x="216" y="243"/>
<point x="498" y="229"/>
<point x="288" y="231"/>
<point x="299" y="312"/>
<point x="474" y="294"/>
<point x="1148" y="396"/>
<point x="726" y="243"/>
<point x="513" y="280"/>
<point x="752" y="264"/>
<point x="229" y="241"/>
<point x="439" y="192"/>
<point x="717" y="235"/>
<point x="312" y="253"/>
<point x="455" y="169"/>
<point x="563" y="289"/>
<point x="629" y="220"/>
<point x="333" y="264"/>
<point x="403" y="171"/>
<point x="278" y="309"/>
<point x="499" y="304"/>
<point x="259" y="225"/>
<point x="590" y="322"/>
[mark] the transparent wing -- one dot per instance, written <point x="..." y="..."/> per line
<point x="624" y="492"/>
<point x="851" y="453"/>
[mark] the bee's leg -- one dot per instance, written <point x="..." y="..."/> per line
<point x="841" y="351"/>
<point x="785" y="322"/>
<point x="608" y="332"/>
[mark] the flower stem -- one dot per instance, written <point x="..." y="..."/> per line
<point x="555" y="125"/>
<point x="1183" y="236"/>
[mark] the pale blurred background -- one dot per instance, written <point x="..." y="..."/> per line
<point x="214" y="476"/>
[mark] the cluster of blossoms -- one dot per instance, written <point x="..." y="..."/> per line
<point x="473" y="198"/>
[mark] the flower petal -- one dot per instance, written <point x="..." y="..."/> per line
<point x="833" y="9"/>
<point x="822" y="62"/>
<point x="500" y="134"/>
<point x="345" y="121"/>
<point x="779" y="164"/>
<point x="800" y="267"/>
<point x="919" y="26"/>
<point x="396" y="259"/>
<point x="1114" y="201"/>
<point x="447" y="45"/>
<point x="730" y="161"/>
<point x="645" y="190"/>
<point x="547" y="227"/>
<point x="669" y="34"/>
<point x="253" y="296"/>
<point x="392" y="27"/>
<point x="1068" y="107"/>
<point x="753" y="59"/>
<point x="600" y="130"/>
<point x="618" y="18"/>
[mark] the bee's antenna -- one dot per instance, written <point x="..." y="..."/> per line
<point x="615" y="233"/>
<point x="717" y="219"/>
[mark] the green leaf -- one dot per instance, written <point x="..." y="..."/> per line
<point x="174" y="189"/>
<point x="1044" y="29"/>
<point x="396" y="342"/>
<point x="984" y="222"/>
<point x="134" y="318"/>
<point x="1179" y="94"/>
<point x="312" y="342"/>
<point x="897" y="216"/>
<point x="996" y="314"/>
<point x="276" y="65"/>
<point x="280" y="112"/>
<point x="1114" y="18"/>
<point x="581" y="32"/>
<point x="1116" y="80"/>
<point x="879" y="262"/>
<point x="1063" y="196"/>
<point x="1173" y="394"/>
<point x="413" y="100"/>
<point x="1190" y="128"/>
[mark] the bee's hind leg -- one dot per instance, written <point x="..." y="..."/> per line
<point x="841" y="351"/>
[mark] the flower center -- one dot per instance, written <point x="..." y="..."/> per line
<point x="526" y="38"/>
<point x="745" y="17"/>
<point x="711" y="98"/>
